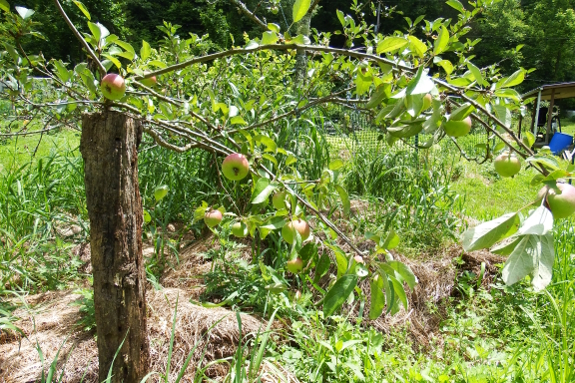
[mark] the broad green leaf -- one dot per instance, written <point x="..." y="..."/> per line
<point x="540" y="222"/>
<point x="476" y="73"/>
<point x="446" y="65"/>
<point x="24" y="13"/>
<point x="338" y="294"/>
<point x="528" y="139"/>
<point x="341" y="262"/>
<point x="462" y="112"/>
<point x="262" y="190"/>
<point x="543" y="272"/>
<point x="399" y="291"/>
<point x="487" y="234"/>
<point x="503" y="113"/>
<point x="417" y="46"/>
<point x="513" y="80"/>
<point x="420" y="84"/>
<point x="269" y="37"/>
<point x="308" y="252"/>
<point x="4" y="6"/>
<point x="274" y="27"/>
<point x="341" y="17"/>
<point x="377" y="302"/>
<point x="391" y="241"/>
<point x="238" y="120"/>
<point x="113" y="60"/>
<point x="456" y="4"/>
<point x="404" y="271"/>
<point x="147" y="217"/>
<point x="344" y="199"/>
<point x="146" y="50"/>
<point x="63" y="73"/>
<point x="549" y="162"/>
<point x="391" y="44"/>
<point x="336" y="164"/>
<point x="508" y="93"/>
<point x="130" y="52"/>
<point x="507" y="248"/>
<point x="533" y="255"/>
<point x="83" y="8"/>
<point x="441" y="41"/>
<point x="377" y="97"/>
<point x="160" y="192"/>
<point x="300" y="8"/>
<point x="322" y="267"/>
<point x="158" y="64"/>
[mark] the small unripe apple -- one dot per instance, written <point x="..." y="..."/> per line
<point x="426" y="102"/>
<point x="295" y="265"/>
<point x="278" y="200"/>
<point x="212" y="218"/>
<point x="561" y="200"/>
<point x="507" y="165"/>
<point x="457" y="128"/>
<point x="240" y="229"/>
<point x="235" y="167"/>
<point x="113" y="86"/>
<point x="289" y="230"/>
<point x="149" y="81"/>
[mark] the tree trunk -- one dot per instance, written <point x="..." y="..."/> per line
<point x="302" y="27"/>
<point x="109" y="145"/>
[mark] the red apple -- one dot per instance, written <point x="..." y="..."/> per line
<point x="240" y="229"/>
<point x="113" y="86"/>
<point x="561" y="200"/>
<point x="235" y="167"/>
<point x="457" y="128"/>
<point x="288" y="231"/>
<point x="507" y="165"/>
<point x="295" y="265"/>
<point x="212" y="218"/>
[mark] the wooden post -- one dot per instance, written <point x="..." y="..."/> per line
<point x="550" y="116"/>
<point x="536" y="120"/>
<point x="109" y="145"/>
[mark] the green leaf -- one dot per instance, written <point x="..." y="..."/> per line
<point x="160" y="192"/>
<point x="269" y="37"/>
<point x="262" y="190"/>
<point x="476" y="72"/>
<point x="399" y="291"/>
<point x="341" y="262"/>
<point x="441" y="41"/>
<point x="420" y="84"/>
<point x="391" y="44"/>
<point x="508" y="93"/>
<point x="539" y="222"/>
<point x="446" y="65"/>
<point x="308" y="252"/>
<point x="336" y="164"/>
<point x="130" y="52"/>
<point x="63" y="73"/>
<point x="417" y="46"/>
<point x="456" y="4"/>
<point x="158" y="64"/>
<point x="147" y="217"/>
<point x="487" y="234"/>
<point x="503" y="113"/>
<point x="507" y="248"/>
<point x="24" y="13"/>
<point x="378" y="96"/>
<point x="146" y="50"/>
<point x="83" y="8"/>
<point x="322" y="267"/>
<point x="338" y="293"/>
<point x="391" y="241"/>
<point x="344" y="199"/>
<point x="405" y="272"/>
<point x="529" y="139"/>
<point x="513" y="80"/>
<point x="4" y="6"/>
<point x="238" y="120"/>
<point x="274" y="27"/>
<point x="377" y="302"/>
<point x="113" y="60"/>
<point x="462" y="112"/>
<point x="300" y="8"/>
<point x="533" y="255"/>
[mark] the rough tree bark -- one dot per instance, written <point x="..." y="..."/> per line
<point x="109" y="145"/>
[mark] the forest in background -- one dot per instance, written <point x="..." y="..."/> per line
<point x="544" y="29"/>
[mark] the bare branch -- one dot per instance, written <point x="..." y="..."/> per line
<point x="82" y="40"/>
<point x="251" y="15"/>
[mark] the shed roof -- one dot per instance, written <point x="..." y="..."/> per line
<point x="562" y="90"/>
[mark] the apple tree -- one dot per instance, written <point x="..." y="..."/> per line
<point x="418" y="81"/>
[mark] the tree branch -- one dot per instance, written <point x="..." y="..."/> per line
<point x="251" y="15"/>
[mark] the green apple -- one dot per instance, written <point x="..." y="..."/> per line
<point x="295" y="265"/>
<point x="113" y="86"/>
<point x="457" y="128"/>
<point x="235" y="167"/>
<point x="561" y="200"/>
<point x="426" y="102"/>
<point x="149" y="81"/>
<point x="240" y="229"/>
<point x="212" y="218"/>
<point x="507" y="165"/>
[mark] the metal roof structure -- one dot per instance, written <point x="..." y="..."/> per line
<point x="556" y="91"/>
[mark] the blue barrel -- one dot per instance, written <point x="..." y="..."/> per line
<point x="560" y="142"/>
